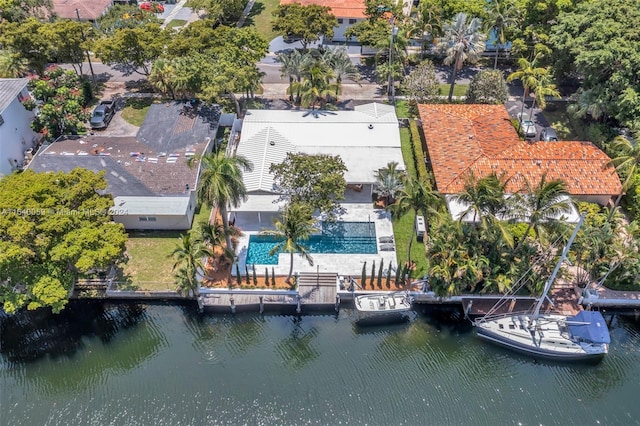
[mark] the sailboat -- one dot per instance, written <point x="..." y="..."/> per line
<point x="582" y="337"/>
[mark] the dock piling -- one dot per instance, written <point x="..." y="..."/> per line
<point x="261" y="304"/>
<point x="233" y="306"/>
<point x="337" y="303"/>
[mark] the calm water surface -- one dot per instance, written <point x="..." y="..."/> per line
<point x="119" y="364"/>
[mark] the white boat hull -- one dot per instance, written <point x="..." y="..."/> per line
<point x="547" y="338"/>
<point x="374" y="309"/>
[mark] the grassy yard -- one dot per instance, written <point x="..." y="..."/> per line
<point x="260" y="17"/>
<point x="136" y="110"/>
<point x="176" y="23"/>
<point x="402" y="109"/>
<point x="150" y="266"/>
<point x="458" y="89"/>
<point x="559" y="120"/>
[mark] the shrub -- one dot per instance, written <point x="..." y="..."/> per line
<point x="418" y="153"/>
<point x="488" y="87"/>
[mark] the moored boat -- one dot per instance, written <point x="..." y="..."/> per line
<point x="377" y="308"/>
<point x="582" y="337"/>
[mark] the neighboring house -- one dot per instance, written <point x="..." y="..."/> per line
<point x="481" y="139"/>
<point x="16" y="136"/>
<point x="348" y="12"/>
<point x="148" y="175"/>
<point x="366" y="139"/>
<point x="87" y="10"/>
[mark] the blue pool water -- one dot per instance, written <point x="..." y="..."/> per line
<point x="338" y="237"/>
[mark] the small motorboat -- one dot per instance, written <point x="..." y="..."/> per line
<point x="383" y="307"/>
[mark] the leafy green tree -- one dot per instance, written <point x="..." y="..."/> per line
<point x="376" y="29"/>
<point x="69" y="41"/>
<point x="21" y="10"/>
<point x="295" y="225"/>
<point x="62" y="110"/>
<point x="121" y="16"/>
<point x="132" y="50"/>
<point x="198" y="36"/>
<point x="503" y="16"/>
<point x="598" y="40"/>
<point x="226" y="12"/>
<point x="221" y="184"/>
<point x="422" y="84"/>
<point x="27" y="41"/>
<point x="54" y="228"/>
<point x="462" y="41"/>
<point x="626" y="158"/>
<point x="316" y="180"/>
<point x="309" y="23"/>
<point x="488" y="87"/>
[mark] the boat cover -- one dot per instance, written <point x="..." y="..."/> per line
<point x="591" y="327"/>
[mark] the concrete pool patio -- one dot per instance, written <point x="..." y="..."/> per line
<point x="342" y="264"/>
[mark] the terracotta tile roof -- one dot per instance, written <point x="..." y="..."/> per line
<point x="89" y="10"/>
<point x="480" y="138"/>
<point x="339" y="8"/>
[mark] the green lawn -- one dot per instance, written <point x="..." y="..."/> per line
<point x="150" y="266"/>
<point x="559" y="120"/>
<point x="176" y="23"/>
<point x="458" y="89"/>
<point x="136" y="110"/>
<point x="402" y="109"/>
<point x="261" y="17"/>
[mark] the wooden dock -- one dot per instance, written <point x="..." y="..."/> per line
<point x="316" y="292"/>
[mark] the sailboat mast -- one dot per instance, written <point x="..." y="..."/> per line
<point x="565" y="251"/>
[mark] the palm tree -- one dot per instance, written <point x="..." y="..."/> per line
<point x="221" y="184"/>
<point x="291" y="68"/>
<point x="342" y="66"/>
<point x="12" y="65"/>
<point x="503" y="15"/>
<point x="316" y="84"/>
<point x="543" y="203"/>
<point x="424" y="24"/>
<point x="188" y="257"/>
<point x="388" y="182"/>
<point x="213" y="235"/>
<point x="545" y="87"/>
<point x="625" y="162"/>
<point x="463" y="40"/>
<point x="162" y="76"/>
<point x="484" y="196"/>
<point x="415" y="195"/>
<point x="529" y="74"/>
<point x="295" y="225"/>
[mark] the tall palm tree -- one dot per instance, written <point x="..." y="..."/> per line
<point x="388" y="182"/>
<point x="418" y="196"/>
<point x="626" y="162"/>
<point x="542" y="204"/>
<point x="316" y="83"/>
<point x="342" y="66"/>
<point x="162" y="76"/>
<point x="529" y="74"/>
<point x="291" y="68"/>
<point x="503" y="15"/>
<point x="544" y="88"/>
<point x="221" y="184"/>
<point x="188" y="257"/>
<point x="424" y="24"/>
<point x="463" y="40"/>
<point x="484" y="196"/>
<point x="213" y="235"/>
<point x="295" y="225"/>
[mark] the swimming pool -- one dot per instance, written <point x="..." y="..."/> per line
<point x="337" y="237"/>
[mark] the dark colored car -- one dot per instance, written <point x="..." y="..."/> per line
<point x="291" y="38"/>
<point x="102" y="115"/>
<point x="548" y="134"/>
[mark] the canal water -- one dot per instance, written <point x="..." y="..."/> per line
<point x="126" y="364"/>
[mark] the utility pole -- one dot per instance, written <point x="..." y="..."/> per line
<point x="84" y="39"/>
<point x="391" y="88"/>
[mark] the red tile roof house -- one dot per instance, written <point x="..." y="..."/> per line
<point x="481" y="139"/>
<point x="88" y="10"/>
<point x="348" y="13"/>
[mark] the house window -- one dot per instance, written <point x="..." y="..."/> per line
<point x="352" y="21"/>
<point x="340" y="20"/>
<point x="147" y="219"/>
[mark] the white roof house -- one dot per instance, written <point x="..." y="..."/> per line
<point x="366" y="139"/>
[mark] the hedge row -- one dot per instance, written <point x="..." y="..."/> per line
<point x="418" y="153"/>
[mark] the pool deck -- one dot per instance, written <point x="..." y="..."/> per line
<point x="343" y="264"/>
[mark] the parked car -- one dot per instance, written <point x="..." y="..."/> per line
<point x="102" y="115"/>
<point x="291" y="38"/>
<point x="527" y="127"/>
<point x="548" y="134"/>
<point x="152" y="6"/>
